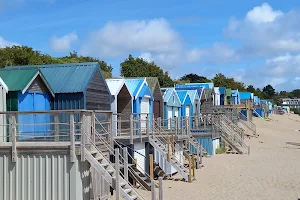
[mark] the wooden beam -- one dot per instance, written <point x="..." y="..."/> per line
<point x="160" y="179"/>
<point x="151" y="166"/>
<point x="169" y="159"/>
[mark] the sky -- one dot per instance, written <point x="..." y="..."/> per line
<point x="256" y="42"/>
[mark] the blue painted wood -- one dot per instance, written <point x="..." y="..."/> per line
<point x="26" y="122"/>
<point x="42" y="102"/>
<point x="206" y="143"/>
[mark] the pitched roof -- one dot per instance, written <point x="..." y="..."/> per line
<point x="234" y="93"/>
<point x="222" y="90"/>
<point x="204" y="85"/>
<point x="182" y="94"/>
<point x="134" y="85"/>
<point x="228" y="92"/>
<point x="20" y="80"/>
<point x="3" y="84"/>
<point x="193" y="94"/>
<point x="66" y="78"/>
<point x="115" y="85"/>
<point x="245" y="95"/>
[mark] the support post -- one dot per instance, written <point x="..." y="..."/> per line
<point x="173" y="145"/>
<point x="153" y="123"/>
<point x="190" y="170"/>
<point x="169" y="159"/>
<point x="131" y="129"/>
<point x="140" y="125"/>
<point x="176" y="125"/>
<point x="56" y="131"/>
<point x="153" y="197"/>
<point x="93" y="123"/>
<point x="82" y="129"/>
<point x="201" y="153"/>
<point x="125" y="156"/>
<point x="117" y="162"/>
<point x="135" y="164"/>
<point x="160" y="179"/>
<point x="13" y="125"/>
<point x="119" y="127"/>
<point x="72" y="139"/>
<point x="151" y="166"/>
<point x="193" y="164"/>
<point x="147" y="125"/>
<point x="198" y="158"/>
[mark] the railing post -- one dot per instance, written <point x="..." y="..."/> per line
<point x="125" y="156"/>
<point x="117" y="163"/>
<point x="13" y="133"/>
<point x="147" y="125"/>
<point x="201" y="153"/>
<point x="153" y="196"/>
<point x="183" y="124"/>
<point x="159" y="123"/>
<point x="198" y="157"/>
<point x="173" y="145"/>
<point x="119" y="127"/>
<point x="160" y="188"/>
<point x="93" y="123"/>
<point x="82" y="130"/>
<point x="190" y="169"/>
<point x="169" y="158"/>
<point x="151" y="166"/>
<point x="176" y="125"/>
<point x="153" y="123"/>
<point x="72" y="139"/>
<point x="140" y="125"/>
<point x="56" y="121"/>
<point x="193" y="164"/>
<point x="131" y="129"/>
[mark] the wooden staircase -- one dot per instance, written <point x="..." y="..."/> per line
<point x="162" y="148"/>
<point x="106" y="169"/>
<point x="139" y="177"/>
<point x="232" y="135"/>
<point x="193" y="141"/>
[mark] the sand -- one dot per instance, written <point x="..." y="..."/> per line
<point x="271" y="171"/>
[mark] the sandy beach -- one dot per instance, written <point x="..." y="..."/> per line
<point x="271" y="171"/>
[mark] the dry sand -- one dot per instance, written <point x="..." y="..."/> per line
<point x="271" y="171"/>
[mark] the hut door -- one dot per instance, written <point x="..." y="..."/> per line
<point x="169" y="116"/>
<point x="156" y="109"/>
<point x="144" y="112"/>
<point x="187" y="111"/>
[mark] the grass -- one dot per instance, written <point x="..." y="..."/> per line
<point x="220" y="150"/>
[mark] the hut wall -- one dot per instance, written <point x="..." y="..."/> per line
<point x="97" y="94"/>
<point x="41" y="175"/>
<point x="124" y="106"/>
<point x="158" y="103"/>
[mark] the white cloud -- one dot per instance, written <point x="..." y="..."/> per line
<point x="147" y="56"/>
<point x="263" y="14"/>
<point x="5" y="43"/>
<point x="121" y="38"/>
<point x="63" y="44"/>
<point x="195" y="55"/>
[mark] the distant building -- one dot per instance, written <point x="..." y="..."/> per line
<point x="291" y="103"/>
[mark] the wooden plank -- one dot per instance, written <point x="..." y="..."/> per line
<point x="151" y="166"/>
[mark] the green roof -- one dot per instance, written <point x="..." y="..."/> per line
<point x="17" y="80"/>
<point x="152" y="82"/>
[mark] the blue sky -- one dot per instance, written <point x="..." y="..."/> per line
<point x="257" y="42"/>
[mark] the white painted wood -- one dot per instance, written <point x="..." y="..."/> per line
<point x="169" y="116"/>
<point x="176" y="112"/>
<point x="187" y="110"/>
<point x="139" y="155"/>
<point x="145" y="109"/>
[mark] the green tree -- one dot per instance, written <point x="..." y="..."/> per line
<point x="295" y="93"/>
<point x="194" y="78"/>
<point x="138" y="67"/>
<point x="269" y="91"/>
<point x="220" y="80"/>
<point x="251" y="88"/>
<point x="23" y="55"/>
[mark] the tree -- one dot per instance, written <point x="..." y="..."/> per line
<point x="23" y="55"/>
<point x="251" y="88"/>
<point x="296" y="93"/>
<point x="194" y="78"/>
<point x="138" y="67"/>
<point x="220" y="80"/>
<point x="269" y="91"/>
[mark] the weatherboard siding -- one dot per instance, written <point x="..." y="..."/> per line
<point x="124" y="106"/>
<point x="97" y="94"/>
<point x="158" y="102"/>
<point x="38" y="86"/>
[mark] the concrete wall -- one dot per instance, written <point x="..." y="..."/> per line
<point x="46" y="175"/>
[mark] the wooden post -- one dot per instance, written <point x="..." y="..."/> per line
<point x="13" y="125"/>
<point x="153" y="124"/>
<point x="82" y="128"/>
<point x="201" y="153"/>
<point x="131" y="129"/>
<point x="135" y="164"/>
<point x="193" y="164"/>
<point x="56" y="132"/>
<point x="160" y="179"/>
<point x="153" y="197"/>
<point x="176" y="125"/>
<point x="93" y="123"/>
<point x="140" y="125"/>
<point x="151" y="166"/>
<point x="173" y="145"/>
<point x="169" y="158"/>
<point x="125" y="156"/>
<point x="117" y="163"/>
<point x="198" y="158"/>
<point x="190" y="169"/>
<point x="147" y="125"/>
<point x="119" y="127"/>
<point x="182" y="125"/>
<point x="72" y="139"/>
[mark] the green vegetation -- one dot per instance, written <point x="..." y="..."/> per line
<point x="220" y="150"/>
<point x="23" y="55"/>
<point x="296" y="111"/>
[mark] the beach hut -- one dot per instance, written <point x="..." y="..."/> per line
<point x="244" y="96"/>
<point x="76" y="86"/>
<point x="3" y="93"/>
<point x="158" y="104"/>
<point x="28" y="91"/>
<point x="142" y="106"/>
<point x="121" y="104"/>
<point x="217" y="96"/>
<point x="222" y="95"/>
<point x="186" y="103"/>
<point x="203" y="85"/>
<point x="193" y="94"/>
<point x="172" y="106"/>
<point x="206" y="100"/>
<point x="228" y="99"/>
<point x="236" y="96"/>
